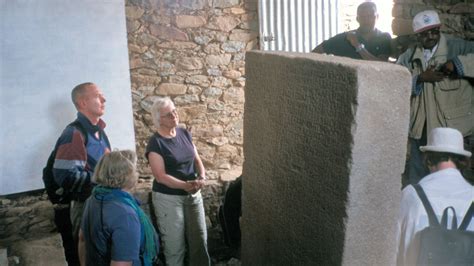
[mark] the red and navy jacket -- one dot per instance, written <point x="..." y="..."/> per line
<point x="75" y="159"/>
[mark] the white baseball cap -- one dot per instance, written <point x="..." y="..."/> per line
<point x="426" y="20"/>
<point x="445" y="139"/>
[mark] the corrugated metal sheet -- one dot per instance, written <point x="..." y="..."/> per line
<point x="297" y="25"/>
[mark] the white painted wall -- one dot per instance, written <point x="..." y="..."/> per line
<point x="46" y="48"/>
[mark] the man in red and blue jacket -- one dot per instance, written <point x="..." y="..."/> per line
<point x="77" y="153"/>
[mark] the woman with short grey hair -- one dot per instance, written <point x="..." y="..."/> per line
<point x="159" y="103"/>
<point x="179" y="176"/>
<point x="117" y="170"/>
<point x="114" y="229"/>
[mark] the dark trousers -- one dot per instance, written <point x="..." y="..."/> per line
<point x="62" y="221"/>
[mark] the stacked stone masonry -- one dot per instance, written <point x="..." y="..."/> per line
<point x="193" y="52"/>
<point x="457" y="16"/>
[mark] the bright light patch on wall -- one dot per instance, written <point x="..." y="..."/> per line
<point x="384" y="8"/>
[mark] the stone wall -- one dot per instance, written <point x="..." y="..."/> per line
<point x="30" y="215"/>
<point x="194" y="52"/>
<point x="457" y="16"/>
<point x="26" y="216"/>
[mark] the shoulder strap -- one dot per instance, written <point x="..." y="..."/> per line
<point x="81" y="129"/>
<point x="429" y="210"/>
<point x="444" y="218"/>
<point x="467" y="218"/>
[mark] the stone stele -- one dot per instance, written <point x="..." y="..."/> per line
<point x="324" y="146"/>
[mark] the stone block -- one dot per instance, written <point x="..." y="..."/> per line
<point x="186" y="21"/>
<point x="46" y="251"/>
<point x="168" y="33"/>
<point x="223" y="23"/>
<point x="191" y="4"/>
<point x="402" y="26"/>
<point x="224" y="3"/>
<point x="3" y="257"/>
<point x="324" y="147"/>
<point x="462" y="8"/>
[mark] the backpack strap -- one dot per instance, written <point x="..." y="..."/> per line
<point x="444" y="218"/>
<point x="429" y="210"/>
<point x="467" y="218"/>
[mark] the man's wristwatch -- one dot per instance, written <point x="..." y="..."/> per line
<point x="360" y="47"/>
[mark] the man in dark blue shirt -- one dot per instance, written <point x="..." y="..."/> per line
<point x="366" y="42"/>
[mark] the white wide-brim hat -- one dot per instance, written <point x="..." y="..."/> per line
<point x="444" y="139"/>
<point x="426" y="20"/>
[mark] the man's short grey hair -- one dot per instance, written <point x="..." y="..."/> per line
<point x="117" y="169"/>
<point x="366" y="5"/>
<point x="79" y="91"/>
<point x="159" y="103"/>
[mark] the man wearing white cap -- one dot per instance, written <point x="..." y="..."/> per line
<point x="441" y="93"/>
<point x="445" y="186"/>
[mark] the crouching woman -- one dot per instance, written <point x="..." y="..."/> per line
<point x="114" y="229"/>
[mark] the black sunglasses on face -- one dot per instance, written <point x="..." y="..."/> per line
<point x="426" y="33"/>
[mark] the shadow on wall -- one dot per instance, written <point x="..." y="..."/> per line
<point x="61" y="113"/>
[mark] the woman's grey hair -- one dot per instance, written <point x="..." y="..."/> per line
<point x="159" y="103"/>
<point x="117" y="169"/>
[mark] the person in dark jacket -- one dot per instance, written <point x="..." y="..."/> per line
<point x="75" y="161"/>
<point x="367" y="42"/>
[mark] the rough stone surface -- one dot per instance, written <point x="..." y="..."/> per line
<point x="316" y="154"/>
<point x="216" y="60"/>
<point x="185" y="21"/>
<point x="224" y="23"/>
<point x="462" y="8"/>
<point x="3" y="257"/>
<point x="159" y="34"/>
<point x="193" y="4"/>
<point x="171" y="89"/>
<point x="26" y="217"/>
<point x="168" y="33"/>
<point x="46" y="251"/>
<point x="402" y="26"/>
<point x="224" y="3"/>
<point x="455" y="16"/>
